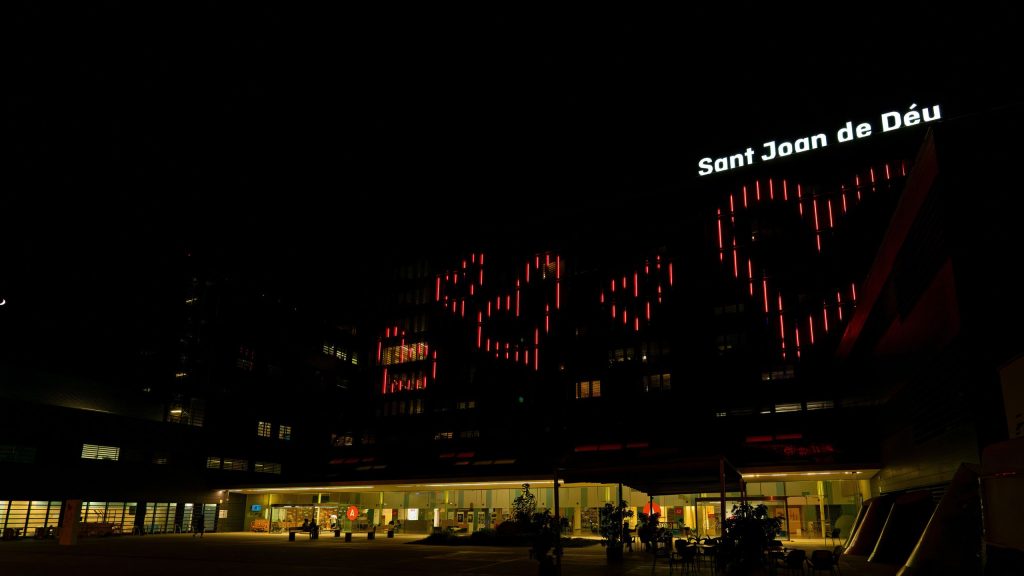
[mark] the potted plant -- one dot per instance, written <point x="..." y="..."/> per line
<point x="612" y="519"/>
<point x="746" y="535"/>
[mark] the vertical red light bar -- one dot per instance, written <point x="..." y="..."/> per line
<point x="888" y="176"/>
<point x="657" y="261"/>
<point x="669" y="273"/>
<point x="384" y="383"/>
<point x="721" y="248"/>
<point x="547" y="318"/>
<point x="853" y="292"/>
<point x="527" y="272"/>
<point x="387" y="332"/>
<point x="481" y="282"/>
<point x="856" y="184"/>
<point x="379" y="346"/>
<point x="648" y="306"/>
<point x="750" y="275"/>
<point x="659" y="293"/>
<point x="732" y="209"/>
<point x="488" y="308"/>
<point x="839" y="305"/>
<point x="757" y="188"/>
<point x="817" y="227"/>
<point x="831" y="222"/>
<point x="536" y="261"/>
<point x="636" y="324"/>
<point x="517" y="298"/>
<point x="602" y="296"/>
<point x="515" y="355"/>
<point x="613" y="310"/>
<point x="625" y="316"/>
<point x="508" y="302"/>
<point x="797" y="331"/>
<point x="903" y="168"/>
<point x="824" y="315"/>
<point x="487" y="345"/>
<point x="771" y="189"/>
<point x="800" y="198"/>
<point x="558" y="295"/>
<point x="536" y="337"/>
<point x="782" y="328"/>
<point x="479" y="335"/>
<point x="437" y="290"/>
<point x="842" y="194"/>
<point x="481" y="258"/>
<point x="636" y="283"/>
<point x="764" y="289"/>
<point x="547" y="259"/>
<point x="735" y="260"/>
<point x="471" y="286"/>
<point x="433" y="368"/>
<point x="497" y="303"/>
<point x="526" y="356"/>
<point x="625" y="283"/>
<point x="613" y="285"/>
<point x="744" y="196"/>
<point x="455" y="278"/>
<point x="647" y="264"/>
<point x="472" y="257"/>
<point x="463" y="263"/>
<point x="785" y="190"/>
<point x="871" y="171"/>
<point x="558" y="267"/>
<point x="536" y="359"/>
<point x="506" y="350"/>
<point x="462" y="307"/>
<point x="810" y="327"/>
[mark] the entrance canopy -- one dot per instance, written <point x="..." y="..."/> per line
<point x="655" y="474"/>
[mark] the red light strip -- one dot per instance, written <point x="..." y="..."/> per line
<point x="732" y="208"/>
<point x="625" y="316"/>
<point x="839" y="305"/>
<point x="536" y="359"/>
<point x="379" y="345"/>
<point x="771" y="189"/>
<point x="517" y="298"/>
<point x="782" y="328"/>
<point x="481" y="271"/>
<point x="817" y="228"/>
<point x="462" y="307"/>
<point x="479" y="335"/>
<point x="757" y="185"/>
<point x="735" y="260"/>
<point x="810" y="325"/>
<point x="853" y="291"/>
<point x="797" y="330"/>
<point x="508" y="302"/>
<point x="488" y="308"/>
<point x="872" y="172"/>
<point x="487" y="345"/>
<point x="764" y="289"/>
<point x="558" y="295"/>
<point x="659" y="293"/>
<point x="744" y="196"/>
<point x="856" y="182"/>
<point x="750" y="275"/>
<point x="824" y="315"/>
<point x="526" y="356"/>
<point x="471" y="286"/>
<point x="527" y="272"/>
<point x="721" y="248"/>
<point x="888" y="176"/>
<point x="547" y="318"/>
<point x="648" y="311"/>
<point x="785" y="190"/>
<point x="831" y="222"/>
<point x="842" y="193"/>
<point x="433" y="373"/>
<point x="384" y="383"/>
<point x="800" y="198"/>
<point x="636" y="324"/>
<point x="536" y="337"/>
<point x="613" y="285"/>
<point x="602" y="297"/>
<point x="536" y="261"/>
<point x="903" y="168"/>
<point x="636" y="283"/>
<point x="437" y="290"/>
<point x="613" y="310"/>
<point x="558" y="267"/>
<point x="669" y="273"/>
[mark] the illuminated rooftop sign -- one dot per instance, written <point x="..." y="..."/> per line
<point x="773" y="149"/>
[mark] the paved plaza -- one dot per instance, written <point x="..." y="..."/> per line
<point x="251" y="554"/>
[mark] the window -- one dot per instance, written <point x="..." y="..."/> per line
<point x="160" y="459"/>
<point x="95" y="452"/>
<point x="794" y="407"/>
<point x="444" y="436"/>
<point x="245" y="359"/>
<point x="404" y="353"/>
<point x="213" y="462"/>
<point x="620" y="355"/>
<point x="263" y="429"/>
<point x="469" y="434"/>
<point x="19" y="454"/>
<point x="342" y="439"/>
<point x="268" y="467"/>
<point x="588" y="389"/>
<point x="653" y="382"/>
<point x="467" y="405"/>
<point x="284" y="432"/>
<point x="236" y="464"/>
<point x="819" y="405"/>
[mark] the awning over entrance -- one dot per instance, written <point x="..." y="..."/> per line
<point x="656" y="475"/>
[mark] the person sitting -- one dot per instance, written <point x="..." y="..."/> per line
<point x="305" y="525"/>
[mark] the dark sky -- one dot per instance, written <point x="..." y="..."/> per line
<point x="305" y="144"/>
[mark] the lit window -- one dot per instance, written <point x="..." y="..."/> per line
<point x="342" y="439"/>
<point x="263" y="429"/>
<point x="268" y="467"/>
<point x="467" y="405"/>
<point x="20" y="454"/>
<point x="787" y="408"/>
<point x="160" y="459"/>
<point x="588" y="389"/>
<point x="235" y="464"/>
<point x="404" y="353"/>
<point x="444" y="436"/>
<point x="213" y="462"/>
<point x="245" y="359"/>
<point x="284" y="432"/>
<point x="654" y="382"/>
<point x="469" y="434"/>
<point x="819" y="405"/>
<point x="95" y="452"/>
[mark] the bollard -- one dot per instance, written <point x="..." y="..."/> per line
<point x="291" y="536"/>
<point x="348" y="536"/>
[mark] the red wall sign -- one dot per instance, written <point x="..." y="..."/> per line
<point x="352" y="513"/>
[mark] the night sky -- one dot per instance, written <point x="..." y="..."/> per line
<point x="304" y="147"/>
